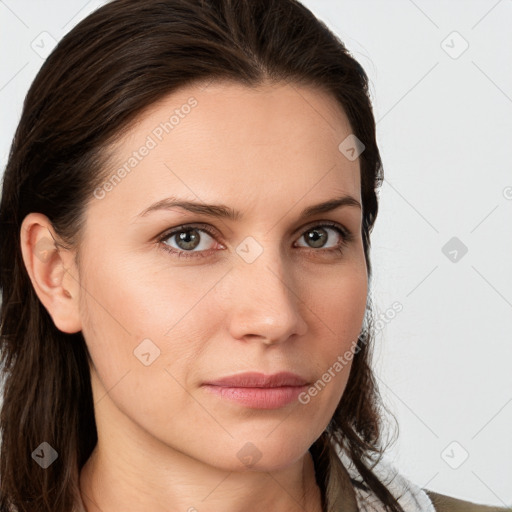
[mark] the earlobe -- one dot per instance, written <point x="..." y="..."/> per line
<point x="52" y="272"/>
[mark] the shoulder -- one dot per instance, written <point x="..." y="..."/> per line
<point x="409" y="495"/>
<point x="444" y="503"/>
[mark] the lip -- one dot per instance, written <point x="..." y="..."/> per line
<point x="259" y="380"/>
<point x="257" y="390"/>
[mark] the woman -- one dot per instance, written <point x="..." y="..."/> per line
<point x="185" y="226"/>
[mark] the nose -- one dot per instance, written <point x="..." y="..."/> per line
<point x="264" y="300"/>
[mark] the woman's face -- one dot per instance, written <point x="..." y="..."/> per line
<point x="265" y="292"/>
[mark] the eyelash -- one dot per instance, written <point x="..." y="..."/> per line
<point x="347" y="237"/>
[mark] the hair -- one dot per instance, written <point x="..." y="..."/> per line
<point x="99" y="79"/>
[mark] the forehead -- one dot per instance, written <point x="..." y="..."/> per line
<point x="248" y="146"/>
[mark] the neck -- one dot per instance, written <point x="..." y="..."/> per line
<point x="110" y="483"/>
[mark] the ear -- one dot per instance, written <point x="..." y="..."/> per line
<point x="52" y="270"/>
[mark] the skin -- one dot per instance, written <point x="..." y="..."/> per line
<point x="164" y="442"/>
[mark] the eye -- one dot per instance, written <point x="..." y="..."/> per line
<point x="192" y="236"/>
<point x="188" y="238"/>
<point x="317" y="236"/>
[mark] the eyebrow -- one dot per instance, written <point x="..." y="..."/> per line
<point x="225" y="212"/>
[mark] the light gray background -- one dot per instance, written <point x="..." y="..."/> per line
<point x="444" y="123"/>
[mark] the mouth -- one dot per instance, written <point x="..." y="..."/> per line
<point x="257" y="390"/>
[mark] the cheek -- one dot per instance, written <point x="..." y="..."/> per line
<point x="340" y="302"/>
<point x="339" y="312"/>
<point x="144" y="336"/>
<point x="135" y="314"/>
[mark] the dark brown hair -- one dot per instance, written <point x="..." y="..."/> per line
<point x="102" y="75"/>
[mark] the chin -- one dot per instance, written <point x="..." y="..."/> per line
<point x="265" y="455"/>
